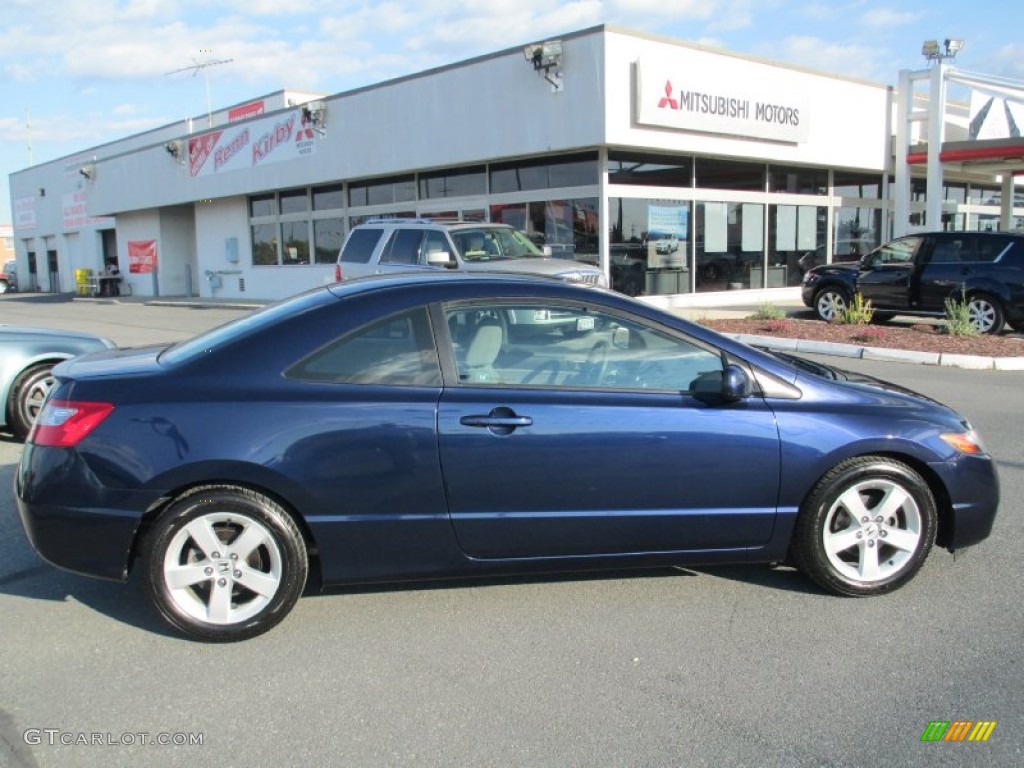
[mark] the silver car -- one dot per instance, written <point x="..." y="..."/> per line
<point x="27" y="359"/>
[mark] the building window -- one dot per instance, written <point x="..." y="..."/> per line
<point x="985" y="195"/>
<point x="328" y="198"/>
<point x="263" y="205"/>
<point x="730" y="243"/>
<point x="728" y="174"/>
<point x="327" y="237"/>
<point x="797" y="181"/>
<point x="295" y="239"/>
<point x="395" y="189"/>
<point x="650" y="244"/>
<point x="572" y="171"/>
<point x="863" y="185"/>
<point x="264" y="244"/>
<point x="295" y="201"/>
<point x="453" y="182"/>
<point x="650" y="170"/>
<point x="797" y="239"/>
<point x="568" y="227"/>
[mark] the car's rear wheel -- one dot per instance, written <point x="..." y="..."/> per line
<point x="224" y="563"/>
<point x="26" y="398"/>
<point x="866" y="528"/>
<point x="830" y="302"/>
<point x="985" y="313"/>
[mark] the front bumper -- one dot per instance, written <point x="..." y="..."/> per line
<point x="973" y="487"/>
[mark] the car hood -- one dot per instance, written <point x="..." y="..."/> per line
<point x="832" y="373"/>
<point x="848" y="270"/>
<point x="21" y="333"/>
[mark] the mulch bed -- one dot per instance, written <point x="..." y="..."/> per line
<point x="918" y="338"/>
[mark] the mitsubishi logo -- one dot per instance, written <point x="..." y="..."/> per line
<point x="667" y="100"/>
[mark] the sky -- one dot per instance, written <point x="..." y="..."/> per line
<point x="85" y="72"/>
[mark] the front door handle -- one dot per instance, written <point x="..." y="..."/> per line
<point x="500" y="421"/>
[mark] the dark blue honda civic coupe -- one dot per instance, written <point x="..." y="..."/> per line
<point x="420" y="427"/>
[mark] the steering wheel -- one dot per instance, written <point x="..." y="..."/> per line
<point x="597" y="362"/>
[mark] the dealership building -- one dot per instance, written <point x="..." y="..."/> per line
<point x="682" y="171"/>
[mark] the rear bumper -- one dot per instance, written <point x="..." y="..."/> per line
<point x="94" y="537"/>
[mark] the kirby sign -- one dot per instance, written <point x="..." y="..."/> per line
<point x="271" y="140"/>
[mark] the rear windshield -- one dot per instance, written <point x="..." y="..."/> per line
<point x="360" y="244"/>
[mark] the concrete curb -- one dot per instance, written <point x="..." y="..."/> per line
<point x="969" y="362"/>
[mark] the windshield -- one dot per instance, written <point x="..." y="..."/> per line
<point x="494" y="244"/>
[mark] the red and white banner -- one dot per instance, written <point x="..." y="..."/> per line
<point x="141" y="256"/>
<point x="246" y="110"/>
<point x="271" y="140"/>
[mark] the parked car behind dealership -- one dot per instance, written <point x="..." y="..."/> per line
<point x="27" y="358"/>
<point x="402" y="245"/>
<point x="9" y="277"/>
<point x="915" y="275"/>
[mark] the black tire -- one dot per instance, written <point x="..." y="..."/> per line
<point x="213" y="599"/>
<point x="26" y="398"/>
<point x="830" y="301"/>
<point x="887" y="546"/>
<point x="986" y="313"/>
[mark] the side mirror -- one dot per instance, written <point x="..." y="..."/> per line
<point x="735" y="384"/>
<point x="441" y="259"/>
<point x="729" y="385"/>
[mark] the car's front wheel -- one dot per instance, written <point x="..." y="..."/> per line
<point x="985" y="313"/>
<point x="224" y="563"/>
<point x="866" y="527"/>
<point x="26" y="398"/>
<point x="830" y="302"/>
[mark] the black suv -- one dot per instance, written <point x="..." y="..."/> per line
<point x="914" y="275"/>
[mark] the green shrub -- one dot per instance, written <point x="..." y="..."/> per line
<point x="958" y="318"/>
<point x="767" y="311"/>
<point x="858" y="311"/>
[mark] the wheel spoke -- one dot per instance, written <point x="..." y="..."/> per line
<point x="185" y="576"/>
<point x="901" y="539"/>
<point x="252" y="537"/>
<point x="854" y="504"/>
<point x="202" y="534"/>
<point x="220" y="602"/>
<point x="261" y="583"/>
<point x="841" y="541"/>
<point x="894" y="498"/>
<point x="869" y="563"/>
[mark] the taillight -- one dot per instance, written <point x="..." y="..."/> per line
<point x="63" y="423"/>
<point x="337" y="273"/>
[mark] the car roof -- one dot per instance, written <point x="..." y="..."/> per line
<point x="427" y="222"/>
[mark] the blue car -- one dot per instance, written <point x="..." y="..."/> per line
<point x="393" y="428"/>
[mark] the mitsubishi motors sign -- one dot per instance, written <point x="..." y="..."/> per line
<point x="670" y="96"/>
<point x="260" y="142"/>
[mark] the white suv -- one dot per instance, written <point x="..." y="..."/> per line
<point x="405" y="245"/>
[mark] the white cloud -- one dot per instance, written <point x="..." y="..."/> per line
<point x="681" y="9"/>
<point x="825" y="56"/>
<point x="887" y="18"/>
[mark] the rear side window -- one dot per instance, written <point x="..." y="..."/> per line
<point x="396" y="351"/>
<point x="403" y="247"/>
<point x="991" y="248"/>
<point x="360" y="245"/>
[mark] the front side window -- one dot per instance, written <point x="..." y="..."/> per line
<point x="396" y="351"/>
<point x="560" y="346"/>
<point x="897" y="252"/>
<point x="494" y="244"/>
